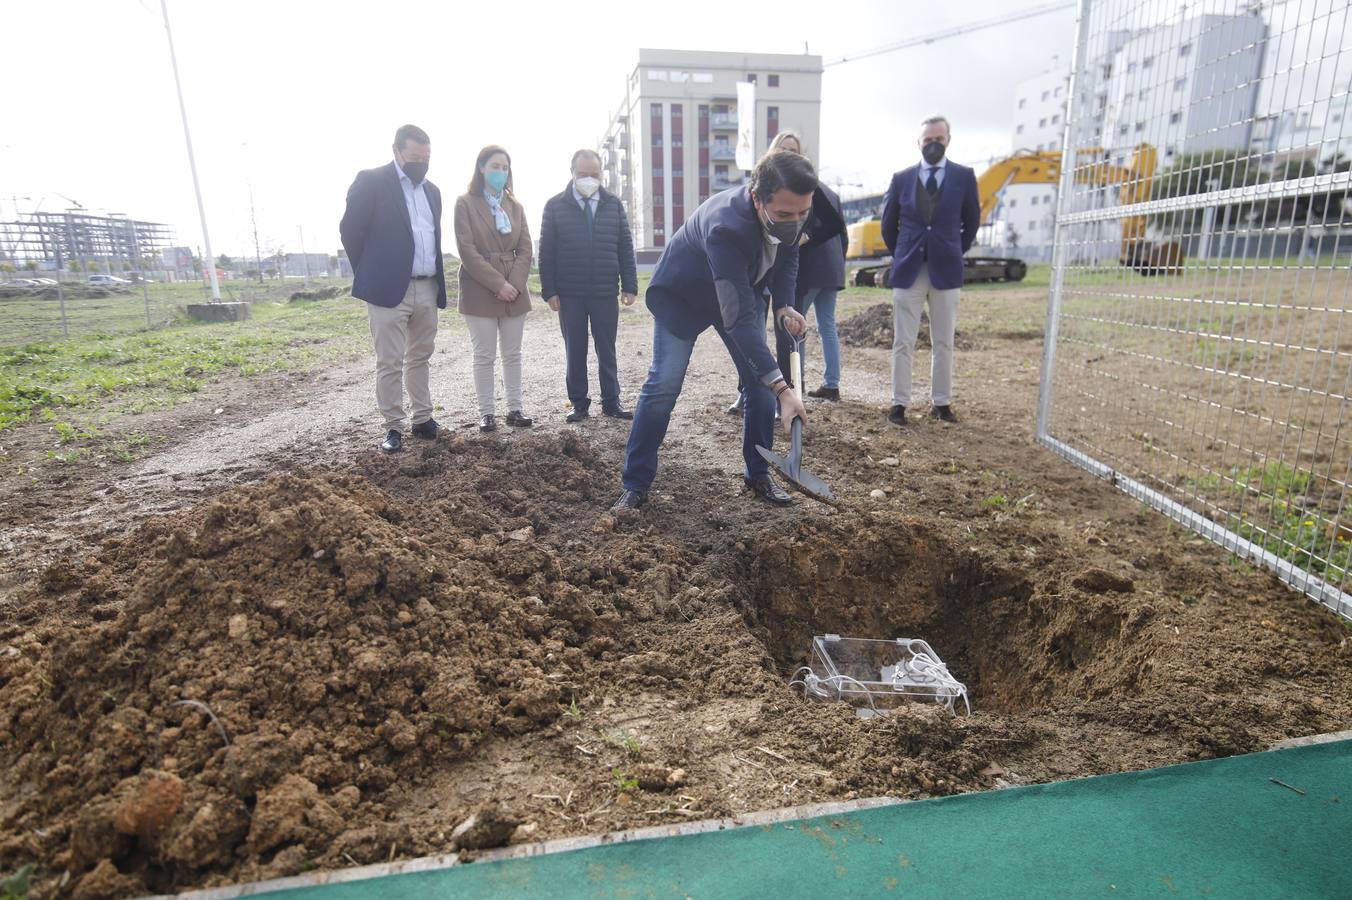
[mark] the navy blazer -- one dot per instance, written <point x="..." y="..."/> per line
<point x="912" y="241"/>
<point x="378" y="237"/>
<point x="707" y="276"/>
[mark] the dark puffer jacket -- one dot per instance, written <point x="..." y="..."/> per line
<point x="575" y="266"/>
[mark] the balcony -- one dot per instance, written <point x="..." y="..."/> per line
<point x="723" y="182"/>
<point x="723" y="121"/>
<point x="722" y="151"/>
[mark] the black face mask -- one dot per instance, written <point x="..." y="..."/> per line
<point x="933" y="152"/>
<point x="416" y="171"/>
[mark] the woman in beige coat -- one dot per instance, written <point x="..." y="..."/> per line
<point x="495" y="253"/>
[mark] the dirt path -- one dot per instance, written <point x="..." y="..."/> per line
<point x="389" y="645"/>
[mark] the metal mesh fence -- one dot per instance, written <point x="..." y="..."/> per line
<point x="1197" y="350"/>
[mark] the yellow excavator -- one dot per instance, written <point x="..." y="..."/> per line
<point x="1039" y="167"/>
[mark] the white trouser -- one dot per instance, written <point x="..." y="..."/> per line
<point x="404" y="337"/>
<point x="907" y="304"/>
<point x="485" y="334"/>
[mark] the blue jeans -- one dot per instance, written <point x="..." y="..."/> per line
<point x="657" y="398"/>
<point x="825" y="301"/>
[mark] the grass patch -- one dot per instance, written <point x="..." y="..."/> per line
<point x="154" y="369"/>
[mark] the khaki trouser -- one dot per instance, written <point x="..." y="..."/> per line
<point x="907" y="304"/>
<point x="404" y="337"/>
<point x="485" y="334"/>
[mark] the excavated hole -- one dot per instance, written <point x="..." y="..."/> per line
<point x="1016" y="648"/>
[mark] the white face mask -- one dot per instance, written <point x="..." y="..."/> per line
<point x="586" y="186"/>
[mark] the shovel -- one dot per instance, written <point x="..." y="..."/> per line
<point x="791" y="467"/>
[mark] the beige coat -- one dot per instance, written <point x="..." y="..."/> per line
<point x="489" y="259"/>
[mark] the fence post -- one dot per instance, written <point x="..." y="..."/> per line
<point x="1059" y="250"/>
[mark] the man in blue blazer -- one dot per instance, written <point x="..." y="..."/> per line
<point x="930" y="218"/>
<point x="712" y="274"/>
<point x="391" y="231"/>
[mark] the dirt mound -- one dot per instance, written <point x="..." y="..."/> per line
<point x="873" y="328"/>
<point x="323" y="293"/>
<point x="287" y="652"/>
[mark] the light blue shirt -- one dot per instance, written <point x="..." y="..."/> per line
<point x="938" y="171"/>
<point x="589" y="200"/>
<point x="424" y="228"/>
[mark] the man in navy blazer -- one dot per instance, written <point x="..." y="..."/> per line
<point x="712" y="274"/>
<point x="930" y="219"/>
<point x="391" y="231"/>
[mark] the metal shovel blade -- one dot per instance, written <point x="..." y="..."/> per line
<point x="791" y="467"/>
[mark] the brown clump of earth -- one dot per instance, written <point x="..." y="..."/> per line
<point x="457" y="649"/>
<point x="872" y="327"/>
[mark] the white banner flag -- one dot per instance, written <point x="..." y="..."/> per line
<point x="746" y="125"/>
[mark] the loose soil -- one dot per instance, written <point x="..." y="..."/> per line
<point x="320" y="657"/>
<point x="873" y="328"/>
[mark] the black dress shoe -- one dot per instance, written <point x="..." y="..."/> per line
<point x="488" y="423"/>
<point x="516" y="419"/>
<point x="736" y="408"/>
<point x="618" y="412"/>
<point x="393" y="443"/>
<point x="426" y="430"/>
<point x="766" y="489"/>
<point x="630" y="500"/>
<point x="944" y="413"/>
<point x="825" y="393"/>
<point x="577" y="415"/>
<point x="898" y="415"/>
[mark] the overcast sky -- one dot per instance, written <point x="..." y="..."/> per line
<point x="294" y="96"/>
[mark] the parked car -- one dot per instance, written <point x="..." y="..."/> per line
<point x="49" y="282"/>
<point x="107" y="279"/>
<point x="22" y="282"/>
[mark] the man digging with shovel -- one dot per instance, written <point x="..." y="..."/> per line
<point x="737" y="244"/>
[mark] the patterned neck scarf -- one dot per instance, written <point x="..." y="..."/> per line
<point x="500" y="217"/>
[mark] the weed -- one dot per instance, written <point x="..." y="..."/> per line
<point x="573" y="712"/>
<point x="624" y="782"/>
<point x="624" y="741"/>
<point x="995" y="501"/>
<point x="17" y="886"/>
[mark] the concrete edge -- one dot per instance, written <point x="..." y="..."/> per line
<point x="1331" y="737"/>
<point x="541" y="848"/>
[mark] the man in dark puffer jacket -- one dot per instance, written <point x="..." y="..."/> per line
<point x="586" y="252"/>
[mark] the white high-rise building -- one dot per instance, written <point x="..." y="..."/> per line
<point x="1184" y="88"/>
<point x="672" y="142"/>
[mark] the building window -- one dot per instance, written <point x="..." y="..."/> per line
<point x="1140" y="126"/>
<point x="1147" y="62"/>
<point x="1185" y="50"/>
<point x="1131" y="67"/>
<point x="1013" y="203"/>
<point x="1046" y="94"/>
<point x="1123" y="129"/>
<point x="658" y="171"/>
<point x="1018" y="130"/>
<point x="1055" y="119"/>
<point x="1180" y="84"/>
<point x="772" y="80"/>
<point x="1046" y="198"/>
<point x="1042" y="123"/>
<point x="654" y="75"/>
<point x="1175" y="118"/>
<point x="703" y="78"/>
<point x="771" y="122"/>
<point x="1144" y="95"/>
<point x="680" y="77"/>
<point x="1033" y="201"/>
<point x="751" y="77"/>
<point x="1032" y="226"/>
<point x="1023" y="101"/>
<point x="1169" y="151"/>
<point x="1057" y="92"/>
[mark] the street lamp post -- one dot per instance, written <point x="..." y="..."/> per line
<point x="192" y="162"/>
